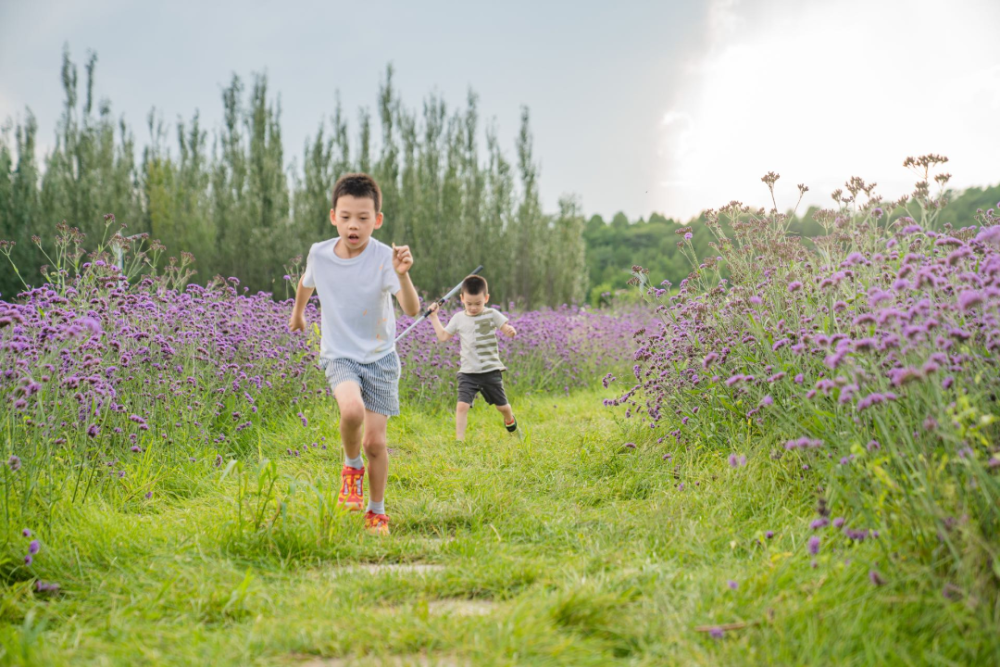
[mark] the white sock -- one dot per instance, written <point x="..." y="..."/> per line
<point x="357" y="462"/>
<point x="376" y="507"/>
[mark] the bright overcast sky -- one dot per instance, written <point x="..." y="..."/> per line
<point x="636" y="106"/>
<point x="821" y="91"/>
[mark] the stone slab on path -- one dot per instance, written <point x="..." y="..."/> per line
<point x="421" y="569"/>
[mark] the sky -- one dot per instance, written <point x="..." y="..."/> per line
<point x="635" y="106"/>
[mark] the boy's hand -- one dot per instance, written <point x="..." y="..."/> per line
<point x="432" y="310"/>
<point x="297" y="322"/>
<point x="508" y="330"/>
<point x="402" y="260"/>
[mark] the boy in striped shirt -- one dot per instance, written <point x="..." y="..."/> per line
<point x="481" y="369"/>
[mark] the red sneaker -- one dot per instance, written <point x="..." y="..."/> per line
<point x="352" y="488"/>
<point x="376" y="524"/>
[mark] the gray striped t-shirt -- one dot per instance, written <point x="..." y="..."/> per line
<point x="479" y="340"/>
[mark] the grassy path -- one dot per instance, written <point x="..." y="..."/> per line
<point x="568" y="548"/>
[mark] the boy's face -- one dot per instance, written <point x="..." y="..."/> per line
<point x="474" y="303"/>
<point x="355" y="219"/>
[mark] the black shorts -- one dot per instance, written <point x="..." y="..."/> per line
<point x="489" y="383"/>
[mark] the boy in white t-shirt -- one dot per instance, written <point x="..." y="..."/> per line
<point x="356" y="278"/>
<point x="481" y="369"/>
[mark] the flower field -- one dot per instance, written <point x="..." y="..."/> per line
<point x="98" y="369"/>
<point x="790" y="458"/>
<point x="868" y="361"/>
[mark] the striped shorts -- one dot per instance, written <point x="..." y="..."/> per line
<point x="379" y="381"/>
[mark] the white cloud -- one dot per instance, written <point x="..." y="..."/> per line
<point x="821" y="91"/>
<point x="672" y="117"/>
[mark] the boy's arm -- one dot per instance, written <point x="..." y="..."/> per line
<point x="504" y="324"/>
<point x="407" y="297"/>
<point x="436" y="323"/>
<point x="298" y="319"/>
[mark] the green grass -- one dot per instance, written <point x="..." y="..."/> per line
<point x="565" y="548"/>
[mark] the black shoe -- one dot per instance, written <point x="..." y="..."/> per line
<point x="511" y="427"/>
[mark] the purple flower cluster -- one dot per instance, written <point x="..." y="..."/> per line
<point x="34" y="546"/>
<point x="875" y="346"/>
<point x="880" y="332"/>
<point x="803" y="443"/>
<point x="123" y="364"/>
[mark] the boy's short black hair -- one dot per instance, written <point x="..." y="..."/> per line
<point x="474" y="285"/>
<point x="358" y="185"/>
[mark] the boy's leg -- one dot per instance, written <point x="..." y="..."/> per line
<point x="380" y="392"/>
<point x="352" y="417"/>
<point x="468" y="387"/>
<point x="461" y="419"/>
<point x="508" y="414"/>
<point x="494" y="393"/>
<point x="376" y="521"/>
<point x="378" y="456"/>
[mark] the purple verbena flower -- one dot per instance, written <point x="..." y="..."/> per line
<point x="803" y="443"/>
<point x="989" y="236"/>
<point x="46" y="587"/>
<point x="871" y="399"/>
<point x="969" y="299"/>
<point x="902" y="376"/>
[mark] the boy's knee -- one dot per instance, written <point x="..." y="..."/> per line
<point x="462" y="407"/>
<point x="374" y="447"/>
<point x="352" y="413"/>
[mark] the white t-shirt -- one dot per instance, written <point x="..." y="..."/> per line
<point x="479" y="340"/>
<point x="356" y="298"/>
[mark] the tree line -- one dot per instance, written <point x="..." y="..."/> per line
<point x="614" y="246"/>
<point x="449" y="190"/>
